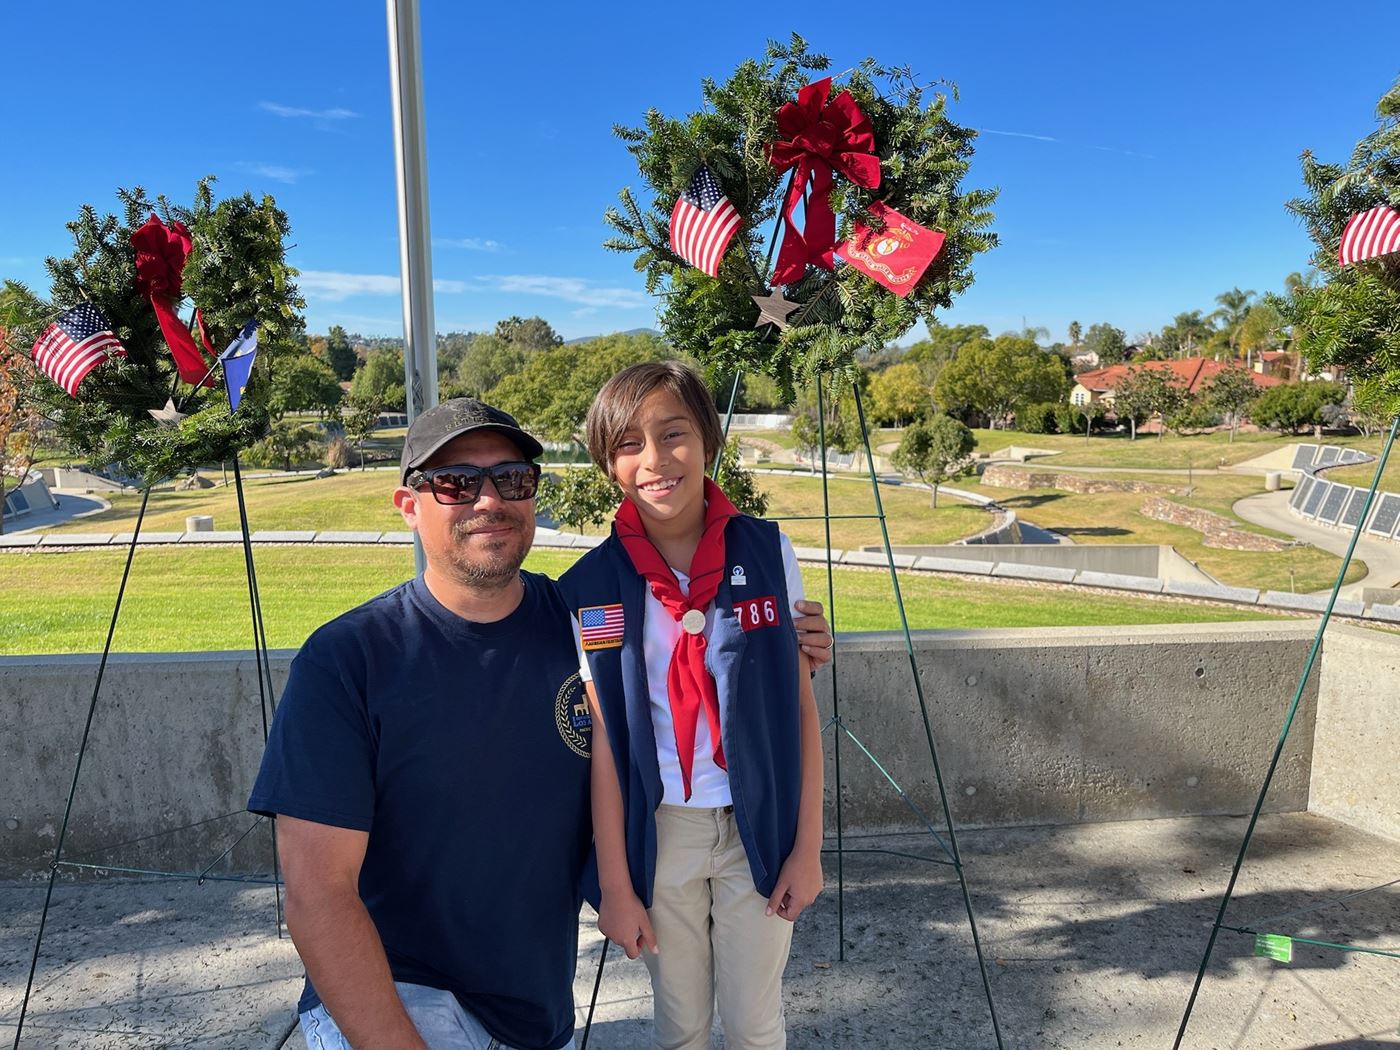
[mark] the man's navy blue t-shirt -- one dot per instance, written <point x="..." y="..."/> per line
<point x="462" y="749"/>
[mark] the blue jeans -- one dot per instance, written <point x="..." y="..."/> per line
<point x="437" y="1015"/>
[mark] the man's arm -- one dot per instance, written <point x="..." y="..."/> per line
<point x="335" y="936"/>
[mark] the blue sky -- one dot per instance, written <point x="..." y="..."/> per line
<point x="1143" y="152"/>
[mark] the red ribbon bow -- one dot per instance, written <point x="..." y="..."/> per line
<point x="161" y="252"/>
<point x="819" y="135"/>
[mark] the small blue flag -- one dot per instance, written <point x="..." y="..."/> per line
<point x="238" y="363"/>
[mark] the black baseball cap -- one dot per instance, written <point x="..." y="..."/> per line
<point x="451" y="419"/>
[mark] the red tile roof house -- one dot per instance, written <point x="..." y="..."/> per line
<point x="1189" y="373"/>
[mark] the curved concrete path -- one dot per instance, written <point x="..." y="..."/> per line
<point x="1382" y="558"/>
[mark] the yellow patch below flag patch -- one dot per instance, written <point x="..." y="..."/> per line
<point x="600" y="627"/>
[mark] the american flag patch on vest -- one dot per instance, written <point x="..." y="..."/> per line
<point x="600" y="627"/>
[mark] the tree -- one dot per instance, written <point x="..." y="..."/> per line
<point x="1075" y="331"/>
<point x="1234" y="308"/>
<point x="934" y="450"/>
<point x="577" y="497"/>
<point x="303" y="384"/>
<point x="19" y="421"/>
<point x="898" y="394"/>
<point x="1108" y="342"/>
<point x="487" y="361"/>
<point x="1294" y="406"/>
<point x="287" y="441"/>
<point x="1185" y="334"/>
<point x="740" y="485"/>
<point x="340" y="355"/>
<point x="360" y="418"/>
<point x="530" y="333"/>
<point x="941" y="346"/>
<point x="1350" y="316"/>
<point x="1145" y="392"/>
<point x="1229" y="394"/>
<point x="451" y="348"/>
<point x="994" y="377"/>
<point x="381" y="379"/>
<point x="550" y="395"/>
<point x="1193" y="415"/>
<point x="1261" y="328"/>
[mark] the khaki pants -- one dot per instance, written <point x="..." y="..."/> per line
<point x="715" y="940"/>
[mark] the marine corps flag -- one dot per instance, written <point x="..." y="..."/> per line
<point x="896" y="256"/>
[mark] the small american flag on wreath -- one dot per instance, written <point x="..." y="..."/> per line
<point x="600" y="627"/>
<point x="75" y="344"/>
<point x="703" y="222"/>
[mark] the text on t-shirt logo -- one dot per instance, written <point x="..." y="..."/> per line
<point x="600" y="627"/>
<point x="754" y="613"/>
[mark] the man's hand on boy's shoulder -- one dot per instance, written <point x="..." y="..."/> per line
<point x="813" y="633"/>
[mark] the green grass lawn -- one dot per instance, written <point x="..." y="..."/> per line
<point x="1115" y="518"/>
<point x="353" y="500"/>
<point x="1363" y="474"/>
<point x="183" y="599"/>
<point x="1171" y="451"/>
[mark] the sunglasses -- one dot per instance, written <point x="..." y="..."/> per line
<point x="455" y="485"/>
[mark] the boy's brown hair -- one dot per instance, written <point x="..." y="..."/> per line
<point x="617" y="404"/>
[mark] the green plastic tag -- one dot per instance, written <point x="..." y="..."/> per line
<point x="1274" y="946"/>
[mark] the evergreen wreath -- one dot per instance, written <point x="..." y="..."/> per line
<point x="236" y="271"/>
<point x="923" y="157"/>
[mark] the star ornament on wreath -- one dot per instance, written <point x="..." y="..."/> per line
<point x="859" y="178"/>
<point x="126" y="369"/>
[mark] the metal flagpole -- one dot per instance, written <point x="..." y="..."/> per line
<point x="415" y="242"/>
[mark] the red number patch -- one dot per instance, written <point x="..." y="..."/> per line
<point x="754" y="613"/>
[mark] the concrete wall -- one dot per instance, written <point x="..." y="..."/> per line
<point x="1034" y="726"/>
<point x="1356" y="774"/>
<point x="176" y="739"/>
<point x="1127" y="559"/>
<point x="1062" y="725"/>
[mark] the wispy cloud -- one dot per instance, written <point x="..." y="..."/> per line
<point x="471" y="244"/>
<point x="12" y="260"/>
<point x="276" y="172"/>
<point x="1052" y="138"/>
<point x="1018" y="135"/>
<point x="333" y="287"/>
<point x="298" y="112"/>
<point x="570" y="289"/>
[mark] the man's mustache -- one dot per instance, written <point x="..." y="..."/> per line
<point x="462" y="529"/>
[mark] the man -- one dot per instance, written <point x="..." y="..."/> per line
<point x="428" y="766"/>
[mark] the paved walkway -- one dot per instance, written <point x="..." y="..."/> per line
<point x="1382" y="558"/>
<point x="1093" y="934"/>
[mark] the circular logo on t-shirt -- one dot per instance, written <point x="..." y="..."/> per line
<point x="571" y="716"/>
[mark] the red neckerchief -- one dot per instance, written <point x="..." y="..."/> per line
<point x="689" y="686"/>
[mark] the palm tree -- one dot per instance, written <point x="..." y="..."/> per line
<point x="1234" y="307"/>
<point x="1075" y="331"/>
<point x="1191" y="328"/>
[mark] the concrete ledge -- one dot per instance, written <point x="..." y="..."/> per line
<point x="589" y="542"/>
<point x="154" y="538"/>
<point x="1119" y="582"/>
<point x="1217" y="591"/>
<point x="877" y="559"/>
<point x="396" y="537"/>
<point x="1311" y="603"/>
<point x="212" y="537"/>
<point x="817" y="554"/>
<point x="347" y="537"/>
<point x="283" y="536"/>
<point x="553" y="541"/>
<point x="1386" y="612"/>
<point x="1052" y="573"/>
<point x="23" y="540"/>
<point x="931" y="564"/>
<point x="77" y="539"/>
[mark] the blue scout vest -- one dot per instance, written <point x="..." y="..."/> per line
<point x="752" y="654"/>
